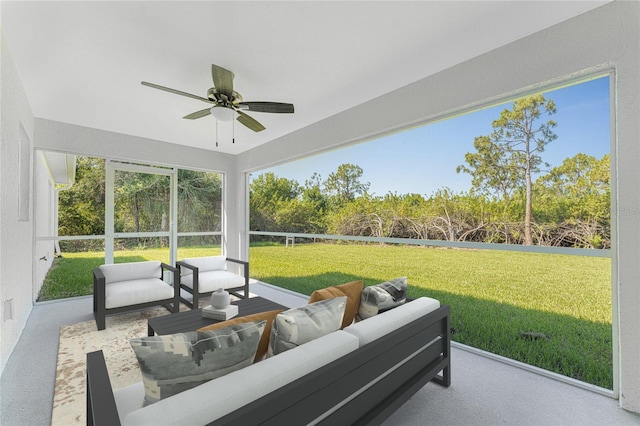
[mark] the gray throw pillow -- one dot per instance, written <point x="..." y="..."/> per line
<point x="301" y="325"/>
<point x="381" y="297"/>
<point x="173" y="363"/>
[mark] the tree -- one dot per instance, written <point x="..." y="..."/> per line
<point x="506" y="159"/>
<point x="81" y="207"/>
<point x="267" y="193"/>
<point x="576" y="201"/>
<point x="199" y="201"/>
<point x="345" y="183"/>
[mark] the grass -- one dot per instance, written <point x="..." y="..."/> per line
<point x="496" y="297"/>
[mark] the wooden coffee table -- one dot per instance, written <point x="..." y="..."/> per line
<point x="192" y="320"/>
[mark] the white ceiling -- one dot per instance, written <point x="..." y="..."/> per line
<point x="82" y="62"/>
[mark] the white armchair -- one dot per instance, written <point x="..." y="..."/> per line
<point x="124" y="287"/>
<point x="200" y="276"/>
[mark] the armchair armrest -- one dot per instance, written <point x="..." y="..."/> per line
<point x="99" y="296"/>
<point x="245" y="273"/>
<point x="101" y="404"/>
<point x="181" y="264"/>
<point x="175" y="284"/>
<point x="241" y="262"/>
<point x="174" y="271"/>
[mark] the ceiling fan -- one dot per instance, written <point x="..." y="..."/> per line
<point x="226" y="101"/>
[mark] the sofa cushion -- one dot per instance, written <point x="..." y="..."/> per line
<point x="268" y="316"/>
<point x="301" y="325"/>
<point x="380" y="297"/>
<point x="217" y="398"/>
<point x="131" y="271"/>
<point x="352" y="291"/>
<point x="173" y="363"/>
<point x="129" y="399"/>
<point x="127" y="293"/>
<point x="208" y="263"/>
<point x="213" y="280"/>
<point x="377" y="326"/>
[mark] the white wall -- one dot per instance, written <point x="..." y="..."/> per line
<point x="72" y="139"/>
<point x="16" y="237"/>
<point x="605" y="38"/>
<point x="43" y="216"/>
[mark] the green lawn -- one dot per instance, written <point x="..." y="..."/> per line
<point x="496" y="297"/>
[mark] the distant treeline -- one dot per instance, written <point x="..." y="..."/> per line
<point x="571" y="208"/>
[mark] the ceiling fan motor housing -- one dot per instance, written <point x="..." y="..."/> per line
<point x="221" y="98"/>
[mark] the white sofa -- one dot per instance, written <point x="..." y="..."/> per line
<point x="124" y="287"/>
<point x="200" y="276"/>
<point x="357" y="375"/>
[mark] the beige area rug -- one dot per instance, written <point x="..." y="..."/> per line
<point x="69" y="400"/>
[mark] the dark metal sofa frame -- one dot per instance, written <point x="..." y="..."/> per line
<point x="100" y="311"/>
<point x="197" y="294"/>
<point x="348" y="391"/>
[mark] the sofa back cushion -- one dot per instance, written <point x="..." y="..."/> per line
<point x="209" y="263"/>
<point x="219" y="397"/>
<point x="377" y="326"/>
<point x="352" y="291"/>
<point x="381" y="297"/>
<point x="297" y="326"/>
<point x="171" y="364"/>
<point x="131" y="271"/>
<point x="267" y="316"/>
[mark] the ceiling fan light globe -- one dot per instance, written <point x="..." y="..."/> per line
<point x="223" y="113"/>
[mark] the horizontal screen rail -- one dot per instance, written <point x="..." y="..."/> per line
<point x="441" y="243"/>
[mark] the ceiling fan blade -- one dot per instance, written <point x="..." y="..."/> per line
<point x="277" y="107"/>
<point x="177" y="92"/>
<point x="223" y="81"/>
<point x="198" y="114"/>
<point x="249" y="122"/>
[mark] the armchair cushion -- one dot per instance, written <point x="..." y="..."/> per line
<point x="132" y="292"/>
<point x="213" y="280"/>
<point x="209" y="263"/>
<point x="173" y="363"/>
<point x="131" y="271"/>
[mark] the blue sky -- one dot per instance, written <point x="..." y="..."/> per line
<point x="424" y="159"/>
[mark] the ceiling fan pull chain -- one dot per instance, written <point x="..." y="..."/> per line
<point x="233" y="132"/>
<point x="216" y="133"/>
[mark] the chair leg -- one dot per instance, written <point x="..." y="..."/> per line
<point x="100" y="319"/>
<point x="196" y="301"/>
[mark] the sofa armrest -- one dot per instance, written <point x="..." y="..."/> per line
<point x="101" y="404"/>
